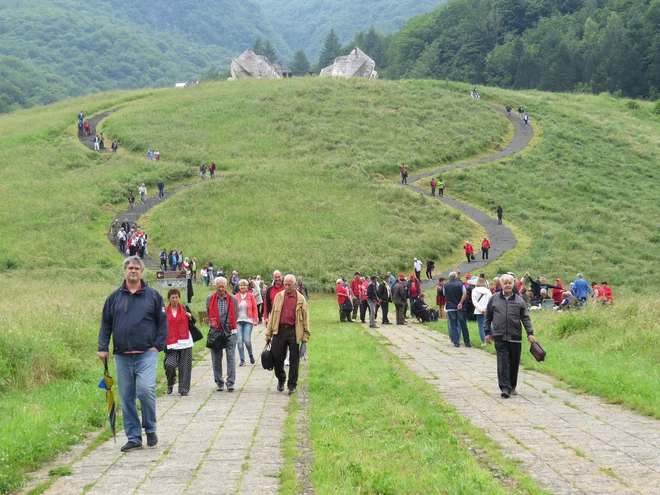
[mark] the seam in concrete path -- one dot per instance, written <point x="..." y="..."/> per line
<point x="567" y="443"/>
<point x="501" y="237"/>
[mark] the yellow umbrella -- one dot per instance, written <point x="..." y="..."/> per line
<point x="106" y="383"/>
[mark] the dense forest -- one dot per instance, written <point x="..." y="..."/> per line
<point x="556" y="45"/>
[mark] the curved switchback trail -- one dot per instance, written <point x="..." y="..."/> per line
<point x="501" y="237"/>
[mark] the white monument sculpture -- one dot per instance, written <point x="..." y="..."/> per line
<point x="356" y="64"/>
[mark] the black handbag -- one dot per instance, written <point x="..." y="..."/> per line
<point x="214" y="339"/>
<point x="267" y="360"/>
<point x="195" y="332"/>
<point x="537" y="351"/>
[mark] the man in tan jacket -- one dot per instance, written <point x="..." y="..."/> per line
<point x="288" y="326"/>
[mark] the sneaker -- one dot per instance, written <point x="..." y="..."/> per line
<point x="280" y="386"/>
<point x="230" y="389"/>
<point x="152" y="439"/>
<point x="242" y="363"/>
<point x="184" y="394"/>
<point x="131" y="445"/>
<point x="220" y="388"/>
<point x="468" y="345"/>
<point x="252" y="361"/>
<point x="505" y="394"/>
<point x="292" y="390"/>
<point x="169" y="390"/>
<point x="374" y="326"/>
<point x="514" y="392"/>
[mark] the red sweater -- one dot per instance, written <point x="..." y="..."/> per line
<point x="177" y="327"/>
<point x="485" y="244"/>
<point x="468" y="248"/>
<point x="342" y="294"/>
<point x="251" y="305"/>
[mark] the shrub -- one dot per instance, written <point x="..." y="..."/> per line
<point x="632" y="104"/>
<point x="656" y="108"/>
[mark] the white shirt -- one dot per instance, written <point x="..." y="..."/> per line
<point x="480" y="298"/>
<point x="418" y="266"/>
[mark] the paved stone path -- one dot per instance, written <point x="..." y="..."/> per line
<point x="501" y="237"/>
<point x="209" y="442"/>
<point x="568" y="443"/>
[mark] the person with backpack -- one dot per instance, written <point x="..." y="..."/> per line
<point x="526" y="119"/>
<point x="508" y="110"/>
<point x="202" y="171"/>
<point x="469" y="251"/>
<point x="434" y="184"/>
<point x="521" y="111"/>
<point x="212" y="170"/>
<point x="404" y="175"/>
<point x="441" y="187"/>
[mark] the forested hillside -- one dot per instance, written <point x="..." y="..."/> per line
<point x="557" y="45"/>
<point x="305" y="23"/>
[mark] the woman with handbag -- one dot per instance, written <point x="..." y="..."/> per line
<point x="248" y="316"/>
<point x="179" y="343"/>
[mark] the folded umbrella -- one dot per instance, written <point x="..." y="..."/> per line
<point x="106" y="383"/>
<point x="303" y="351"/>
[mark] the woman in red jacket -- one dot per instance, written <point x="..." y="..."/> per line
<point x="247" y="317"/>
<point x="469" y="251"/>
<point x="179" y="344"/>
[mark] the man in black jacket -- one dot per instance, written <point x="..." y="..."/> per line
<point x="372" y="300"/>
<point x="385" y="296"/>
<point x="506" y="311"/>
<point x="134" y="315"/>
<point x="399" y="298"/>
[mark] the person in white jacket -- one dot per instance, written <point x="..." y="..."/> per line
<point x="480" y="296"/>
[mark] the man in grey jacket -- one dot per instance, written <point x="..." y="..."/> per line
<point x="134" y="315"/>
<point x="506" y="311"/>
<point x="399" y="298"/>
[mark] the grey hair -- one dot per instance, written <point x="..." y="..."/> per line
<point x="339" y="280"/>
<point x="134" y="260"/>
<point x="289" y="275"/>
<point x="452" y="275"/>
<point x="276" y="271"/>
<point x="579" y="275"/>
<point x="496" y="279"/>
<point x="219" y="279"/>
<point x="506" y="276"/>
<point x="242" y="281"/>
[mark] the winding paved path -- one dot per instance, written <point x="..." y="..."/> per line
<point x="501" y="237"/>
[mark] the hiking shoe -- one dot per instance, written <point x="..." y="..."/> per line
<point x="252" y="361"/>
<point x="220" y="388"/>
<point x="292" y="390"/>
<point x="131" y="445"/>
<point x="505" y="394"/>
<point x="374" y="326"/>
<point x="242" y="363"/>
<point x="184" y="394"/>
<point x="152" y="439"/>
<point x="230" y="389"/>
<point x="280" y="386"/>
<point x="169" y="390"/>
<point x="514" y="392"/>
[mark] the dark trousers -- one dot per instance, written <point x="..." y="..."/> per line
<point x="418" y="275"/>
<point x="499" y="220"/>
<point x="344" y="315"/>
<point x="284" y="339"/>
<point x="508" y="362"/>
<point x="385" y="305"/>
<point x="429" y="274"/>
<point x="400" y="313"/>
<point x="260" y="309"/>
<point x="122" y="246"/>
<point x="356" y="306"/>
<point x="442" y="192"/>
<point x="363" y="310"/>
<point x="180" y="359"/>
<point x="484" y="254"/>
<point x="161" y="192"/>
<point x="469" y="257"/>
<point x="163" y="265"/>
<point x="433" y="192"/>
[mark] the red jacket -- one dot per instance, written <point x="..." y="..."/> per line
<point x="355" y="287"/>
<point x="177" y="327"/>
<point x="558" y="294"/>
<point x="252" y="305"/>
<point x="609" y="297"/>
<point x="363" y="290"/>
<point x="468" y="248"/>
<point x="485" y="244"/>
<point x="342" y="294"/>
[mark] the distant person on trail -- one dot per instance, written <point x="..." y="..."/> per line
<point x="96" y="143"/>
<point x="163" y="260"/>
<point x="114" y="146"/>
<point x="521" y="111"/>
<point x="344" y="301"/>
<point x="455" y="293"/>
<point x="355" y="293"/>
<point x="150" y="155"/>
<point x="384" y="293"/>
<point x="161" y="188"/>
<point x="506" y="312"/>
<point x="101" y="142"/>
<point x="404" y="175"/>
<point x="142" y="190"/>
<point x="417" y="265"/>
<point x="526" y="119"/>
<point x="134" y="316"/>
<point x="87" y="129"/>
<point x="399" y="298"/>
<point x="485" y="247"/>
<point x="212" y="170"/>
<point x="469" y="251"/>
<point x="202" y="171"/>
<point x="126" y="225"/>
<point x="131" y="200"/>
<point x="157" y="155"/>
<point x="81" y="116"/>
<point x="433" y="184"/>
<point x="80" y="128"/>
<point x="441" y="187"/>
<point x="121" y="239"/>
<point x="430" y="267"/>
<point x="508" y="110"/>
<point x="114" y="230"/>
<point x="500" y="210"/>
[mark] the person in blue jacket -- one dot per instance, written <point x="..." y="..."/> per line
<point x="581" y="289"/>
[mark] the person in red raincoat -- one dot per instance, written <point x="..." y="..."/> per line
<point x="469" y="251"/>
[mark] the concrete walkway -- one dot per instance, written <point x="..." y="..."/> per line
<point x="568" y="443"/>
<point x="209" y="442"/>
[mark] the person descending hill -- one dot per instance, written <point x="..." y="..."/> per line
<point x="96" y="143"/>
<point x="81" y="116"/>
<point x="131" y="201"/>
<point x="114" y="146"/>
<point x="202" y="171"/>
<point x="526" y="119"/>
<point x="212" y="170"/>
<point x="500" y="210"/>
<point x="404" y="175"/>
<point x="521" y="111"/>
<point x="469" y="251"/>
<point x="80" y="128"/>
<point x="508" y="110"/>
<point x="433" y="184"/>
<point x="441" y="187"/>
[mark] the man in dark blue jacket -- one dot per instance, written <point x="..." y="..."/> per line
<point x="134" y="315"/>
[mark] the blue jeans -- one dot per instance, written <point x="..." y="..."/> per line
<point x="244" y="337"/>
<point x="457" y="324"/>
<point x="480" y="324"/>
<point x="136" y="377"/>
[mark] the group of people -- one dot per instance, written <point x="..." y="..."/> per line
<point x="211" y="169"/>
<point x="524" y="116"/>
<point x="153" y="155"/>
<point x="146" y="326"/>
<point x="85" y="129"/>
<point x="129" y="238"/>
<point x="468" y="249"/>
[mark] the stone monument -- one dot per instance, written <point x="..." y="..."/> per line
<point x="356" y="64"/>
<point x="249" y="64"/>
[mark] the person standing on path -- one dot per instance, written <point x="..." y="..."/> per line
<point x="255" y="288"/>
<point x="441" y="187"/>
<point x="248" y="316"/>
<point x="163" y="260"/>
<point x="500" y="210"/>
<point x="404" y="175"/>
<point x="384" y="294"/>
<point x="430" y="267"/>
<point x="372" y="300"/>
<point x="485" y="247"/>
<point x="343" y="297"/>
<point x="508" y="110"/>
<point x="433" y="184"/>
<point x="414" y="290"/>
<point x="271" y="292"/>
<point x="179" y="343"/>
<point x="134" y="316"/>
<point x="356" y="284"/>
<point x="96" y="143"/>
<point x="288" y="327"/>
<point x="222" y="309"/>
<point x="417" y="265"/>
<point x="114" y="230"/>
<point x="526" y="119"/>
<point x="399" y="298"/>
<point x="212" y="170"/>
<point x="202" y="171"/>
<point x="302" y="288"/>
<point x="505" y="312"/>
<point x="480" y="296"/>
<point x="122" y="237"/>
<point x="521" y="111"/>
<point x="469" y="251"/>
<point x="114" y="146"/>
<point x="81" y="116"/>
<point x="455" y="293"/>
<point x="161" y="188"/>
<point x="142" y="190"/>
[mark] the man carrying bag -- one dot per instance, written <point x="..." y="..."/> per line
<point x="222" y="309"/>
